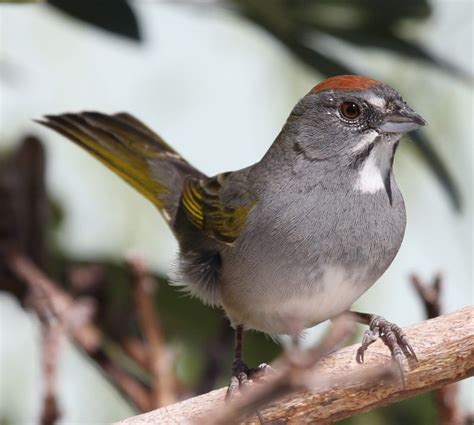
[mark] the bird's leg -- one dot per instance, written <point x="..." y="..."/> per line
<point x="241" y="373"/>
<point x="239" y="369"/>
<point x="391" y="334"/>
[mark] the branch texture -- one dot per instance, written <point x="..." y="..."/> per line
<point x="445" y="350"/>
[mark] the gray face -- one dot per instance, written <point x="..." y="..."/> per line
<point x="338" y="123"/>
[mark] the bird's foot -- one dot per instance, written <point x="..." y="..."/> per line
<point x="243" y="376"/>
<point x="239" y="379"/>
<point x="392" y="336"/>
<point x="259" y="373"/>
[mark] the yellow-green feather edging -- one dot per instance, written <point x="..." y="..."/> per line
<point x="206" y="212"/>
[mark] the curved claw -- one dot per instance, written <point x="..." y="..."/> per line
<point x="370" y="336"/>
<point x="392" y="336"/>
<point x="405" y="344"/>
<point x="261" y="371"/>
<point x="233" y="388"/>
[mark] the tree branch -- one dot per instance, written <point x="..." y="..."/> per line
<point x="445" y="349"/>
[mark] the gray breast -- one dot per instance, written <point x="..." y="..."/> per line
<point x="317" y="251"/>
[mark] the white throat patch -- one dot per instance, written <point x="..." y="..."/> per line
<point x="371" y="175"/>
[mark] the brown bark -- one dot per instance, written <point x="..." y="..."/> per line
<point x="445" y="350"/>
<point x="159" y="359"/>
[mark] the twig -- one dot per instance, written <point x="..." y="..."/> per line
<point x="135" y="348"/>
<point x="449" y="411"/>
<point x="85" y="278"/>
<point x="75" y="316"/>
<point x="53" y="335"/>
<point x="445" y="349"/>
<point x="132" y="388"/>
<point x="429" y="294"/>
<point x="159" y="357"/>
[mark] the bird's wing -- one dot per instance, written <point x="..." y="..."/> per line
<point x="206" y="209"/>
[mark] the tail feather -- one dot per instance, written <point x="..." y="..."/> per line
<point x="131" y="150"/>
<point x="126" y="118"/>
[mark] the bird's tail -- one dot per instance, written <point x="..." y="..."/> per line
<point x="131" y="150"/>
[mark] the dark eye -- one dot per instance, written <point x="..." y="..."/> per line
<point x="350" y="110"/>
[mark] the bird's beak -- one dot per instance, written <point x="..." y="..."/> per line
<point x="403" y="120"/>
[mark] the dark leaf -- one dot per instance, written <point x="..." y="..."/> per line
<point x="327" y="66"/>
<point x="365" y="23"/>
<point x="437" y="166"/>
<point x="375" y="11"/>
<point x="295" y="41"/>
<point x="391" y="42"/>
<point x="336" y="13"/>
<point x="115" y="16"/>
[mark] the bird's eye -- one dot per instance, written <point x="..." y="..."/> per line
<point x="349" y="110"/>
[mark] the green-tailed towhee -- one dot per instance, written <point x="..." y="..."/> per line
<point x="294" y="239"/>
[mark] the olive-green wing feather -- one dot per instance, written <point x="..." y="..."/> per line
<point x="131" y="150"/>
<point x="203" y="204"/>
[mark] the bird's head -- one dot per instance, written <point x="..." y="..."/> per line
<point x="347" y="116"/>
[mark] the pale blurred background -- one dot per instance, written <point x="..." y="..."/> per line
<point x="218" y="89"/>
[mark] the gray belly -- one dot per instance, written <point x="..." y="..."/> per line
<point x="300" y="263"/>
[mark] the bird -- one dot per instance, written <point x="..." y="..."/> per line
<point x="293" y="239"/>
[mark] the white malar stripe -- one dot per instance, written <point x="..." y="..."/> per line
<point x="377" y="101"/>
<point x="365" y="141"/>
<point x="376" y="166"/>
